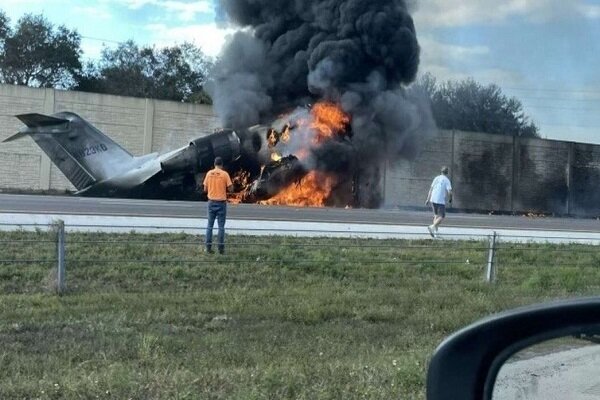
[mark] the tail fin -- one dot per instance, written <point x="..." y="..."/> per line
<point x="82" y="153"/>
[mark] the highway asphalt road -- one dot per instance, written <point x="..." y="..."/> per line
<point x="568" y="374"/>
<point x="72" y="205"/>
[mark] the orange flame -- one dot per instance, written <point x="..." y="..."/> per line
<point x="285" y="135"/>
<point x="313" y="190"/>
<point x="329" y="119"/>
<point x="272" y="137"/>
<point x="240" y="180"/>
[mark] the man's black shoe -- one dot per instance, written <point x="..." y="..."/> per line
<point x="221" y="251"/>
<point x="209" y="251"/>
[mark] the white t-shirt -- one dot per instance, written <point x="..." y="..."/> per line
<point x="439" y="187"/>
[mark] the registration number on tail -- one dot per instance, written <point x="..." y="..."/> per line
<point x="91" y="150"/>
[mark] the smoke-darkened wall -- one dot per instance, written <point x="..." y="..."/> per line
<point x="541" y="182"/>
<point x="585" y="179"/>
<point x="497" y="173"/>
<point x="483" y="170"/>
<point x="357" y="53"/>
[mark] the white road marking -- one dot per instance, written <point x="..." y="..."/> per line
<point x="11" y="221"/>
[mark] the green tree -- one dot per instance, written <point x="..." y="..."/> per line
<point x="37" y="54"/>
<point x="4" y="29"/>
<point x="171" y="73"/>
<point x="467" y="105"/>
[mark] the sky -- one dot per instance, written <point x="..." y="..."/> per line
<point x="546" y="53"/>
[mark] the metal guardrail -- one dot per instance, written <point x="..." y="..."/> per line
<point x="486" y="247"/>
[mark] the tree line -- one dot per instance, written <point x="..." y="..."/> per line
<point x="470" y="106"/>
<point x="38" y="54"/>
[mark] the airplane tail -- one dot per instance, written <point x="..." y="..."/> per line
<point x="82" y="153"/>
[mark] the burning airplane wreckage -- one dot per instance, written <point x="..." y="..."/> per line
<point x="281" y="168"/>
<point x="352" y="60"/>
<point x="259" y="158"/>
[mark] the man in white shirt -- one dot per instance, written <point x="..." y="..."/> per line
<point x="439" y="192"/>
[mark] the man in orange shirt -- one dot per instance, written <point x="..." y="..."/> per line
<point x="217" y="183"/>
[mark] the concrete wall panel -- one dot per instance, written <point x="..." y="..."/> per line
<point x="407" y="182"/>
<point x="585" y="179"/>
<point x="482" y="171"/>
<point x="541" y="182"/>
<point x="18" y="168"/>
<point x="175" y="124"/>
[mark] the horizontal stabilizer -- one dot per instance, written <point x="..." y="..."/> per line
<point x="15" y="137"/>
<point x="39" y="120"/>
<point x="36" y="124"/>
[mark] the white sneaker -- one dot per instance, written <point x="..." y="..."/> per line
<point x="431" y="230"/>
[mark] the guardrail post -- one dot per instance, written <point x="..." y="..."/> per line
<point x="60" y="249"/>
<point x="491" y="263"/>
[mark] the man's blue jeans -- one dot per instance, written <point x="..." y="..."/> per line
<point x="218" y="210"/>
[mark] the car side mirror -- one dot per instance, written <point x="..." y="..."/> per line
<point x="465" y="366"/>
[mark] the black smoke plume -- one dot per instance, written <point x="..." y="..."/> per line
<point x="358" y="53"/>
